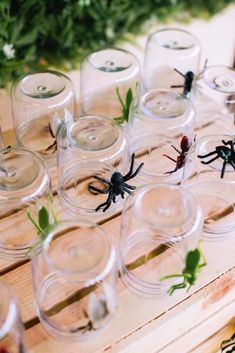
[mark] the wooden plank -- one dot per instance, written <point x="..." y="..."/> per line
<point x="137" y="327"/>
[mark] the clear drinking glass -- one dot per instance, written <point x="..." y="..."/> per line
<point x="166" y="51"/>
<point x="214" y="96"/>
<point x="74" y="279"/>
<point x="152" y="149"/>
<point x="164" y="112"/>
<point x="90" y="137"/>
<point x="24" y="183"/>
<point x="11" y="327"/>
<point x="90" y="146"/>
<point x="105" y="74"/>
<point x="212" y="180"/>
<point x="41" y="101"/>
<point x="159" y="225"/>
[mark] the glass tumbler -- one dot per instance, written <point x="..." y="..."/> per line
<point x="106" y="77"/>
<point x="74" y="279"/>
<point x="24" y="184"/>
<point x="11" y="327"/>
<point x="165" y="112"/>
<point x="209" y="174"/>
<point x="41" y="102"/>
<point x="169" y="54"/>
<point x="159" y="225"/>
<point x="92" y="146"/>
<point x="214" y="96"/>
<point x="161" y="156"/>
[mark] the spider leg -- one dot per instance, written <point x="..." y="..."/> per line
<point x="180" y="73"/>
<point x="107" y="203"/>
<point x="232" y="164"/>
<point x="210" y="161"/>
<point x="231" y="143"/>
<point x="172" y="171"/>
<point x="135" y="173"/>
<point x="177" y="86"/>
<point x="51" y="146"/>
<point x="114" y="198"/>
<point x="131" y="167"/>
<point x="129" y="186"/>
<point x="223" y="169"/>
<point x="128" y="191"/>
<point x="207" y="155"/>
<point x="122" y="195"/>
<point x="100" y="191"/>
<point x="102" y="179"/>
<point x="172" y="159"/>
<point x="176" y="149"/>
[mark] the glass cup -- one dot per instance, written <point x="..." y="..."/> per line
<point x="41" y="102"/>
<point x="159" y="225"/>
<point x="106" y="76"/>
<point x="214" y="96"/>
<point x="212" y="180"/>
<point x="24" y="184"/>
<point x="169" y="54"/>
<point x="161" y="156"/>
<point x="90" y="137"/>
<point x="11" y="327"/>
<point x="164" y="112"/>
<point x="74" y="279"/>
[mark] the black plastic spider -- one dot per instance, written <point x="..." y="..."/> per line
<point x="188" y="81"/>
<point x="226" y="153"/>
<point x="117" y="185"/>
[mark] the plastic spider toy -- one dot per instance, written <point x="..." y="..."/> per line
<point x="188" y="82"/>
<point x="226" y="153"/>
<point x="185" y="145"/>
<point x="116" y="186"/>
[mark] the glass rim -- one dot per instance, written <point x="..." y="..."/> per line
<point x="34" y="157"/>
<point x="16" y="84"/>
<point x="71" y="124"/>
<point x="65" y="199"/>
<point x="111" y="258"/>
<point x="189" y="106"/>
<point x="140" y="285"/>
<point x="151" y="186"/>
<point x="11" y="312"/>
<point x="213" y="85"/>
<point x="168" y="29"/>
<point x="124" y="51"/>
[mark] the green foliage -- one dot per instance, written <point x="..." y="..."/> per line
<point x="194" y="262"/>
<point x="35" y="34"/>
<point x="43" y="224"/>
<point x="125" y="106"/>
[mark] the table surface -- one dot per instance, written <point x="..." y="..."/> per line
<point x="196" y="321"/>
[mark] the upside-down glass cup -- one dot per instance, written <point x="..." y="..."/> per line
<point x="41" y="101"/>
<point x="158" y="153"/>
<point x="166" y="50"/>
<point x="212" y="181"/>
<point x="74" y="278"/>
<point x="24" y="184"/>
<point x="165" y="112"/>
<point x="90" y="146"/>
<point x="106" y="77"/>
<point x="214" y="97"/>
<point x="159" y="225"/>
<point x="11" y="327"/>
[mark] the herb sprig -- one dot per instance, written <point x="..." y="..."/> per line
<point x="194" y="262"/>
<point x="43" y="224"/>
<point x="125" y="106"/>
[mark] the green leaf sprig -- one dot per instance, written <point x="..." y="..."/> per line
<point x="194" y="262"/>
<point x="43" y="224"/>
<point x="125" y="106"/>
